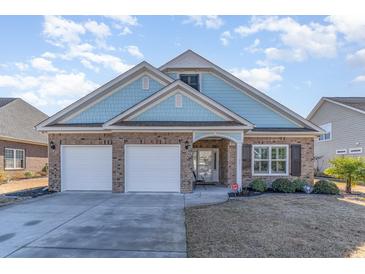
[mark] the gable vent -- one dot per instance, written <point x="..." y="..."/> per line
<point x="145" y="83"/>
<point x="178" y="101"/>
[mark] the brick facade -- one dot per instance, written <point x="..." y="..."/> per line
<point x="307" y="157"/>
<point x="35" y="157"/>
<point x="118" y="140"/>
<point x="227" y="152"/>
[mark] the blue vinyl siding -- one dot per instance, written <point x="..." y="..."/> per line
<point x="166" y="111"/>
<point x="242" y="104"/>
<point x="173" y="75"/>
<point x="116" y="103"/>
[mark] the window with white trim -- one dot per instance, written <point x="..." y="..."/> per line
<point x="327" y="136"/>
<point x="145" y="83"/>
<point x="178" y="101"/>
<point x="355" y="150"/>
<point x="14" y="158"/>
<point x="270" y="160"/>
<point x="341" y="151"/>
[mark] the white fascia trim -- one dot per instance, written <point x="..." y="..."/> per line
<point x="103" y="88"/>
<point x="163" y="98"/>
<point x="248" y="87"/>
<point x="159" y="128"/>
<point x="93" y="103"/>
<point x="65" y="128"/>
<point x="12" y="139"/>
<point x="186" y="89"/>
<point x="281" y="134"/>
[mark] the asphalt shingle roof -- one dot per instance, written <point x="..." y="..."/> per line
<point x="355" y="102"/>
<point x="18" y="119"/>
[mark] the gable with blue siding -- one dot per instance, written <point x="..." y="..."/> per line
<point x="242" y="104"/>
<point x="116" y="103"/>
<point x="167" y="111"/>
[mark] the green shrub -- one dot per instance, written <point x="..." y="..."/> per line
<point x="326" y="187"/>
<point x="283" y="185"/>
<point x="299" y="185"/>
<point x="258" y="185"/>
<point x="29" y="174"/>
<point x="45" y="168"/>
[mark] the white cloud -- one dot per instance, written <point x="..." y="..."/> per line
<point x="21" y="66"/>
<point x="360" y="78"/>
<point x="225" y="38"/>
<point x="49" y="55"/>
<point x="260" y="78"/>
<point x="357" y="58"/>
<point x="352" y="26"/>
<point x="100" y="30"/>
<point x="125" y="31"/>
<point x="85" y="52"/>
<point x="125" y="19"/>
<point x="304" y="40"/>
<point x="43" y="64"/>
<point x="285" y="54"/>
<point x="48" y="90"/>
<point x="60" y="31"/>
<point x="134" y="51"/>
<point x="208" y="21"/>
<point x="254" y="46"/>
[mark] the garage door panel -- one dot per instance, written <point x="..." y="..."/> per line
<point x="153" y="168"/>
<point x="86" y="168"/>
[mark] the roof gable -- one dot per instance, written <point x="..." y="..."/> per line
<point x="187" y="59"/>
<point x="207" y="109"/>
<point x="104" y="91"/>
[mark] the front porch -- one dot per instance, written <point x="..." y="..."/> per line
<point x="217" y="158"/>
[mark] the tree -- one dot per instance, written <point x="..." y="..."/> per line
<point x="351" y="169"/>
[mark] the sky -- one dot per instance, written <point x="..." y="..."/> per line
<point x="51" y="61"/>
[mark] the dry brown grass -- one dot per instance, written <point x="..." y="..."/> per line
<point x="23" y="185"/>
<point x="279" y="225"/>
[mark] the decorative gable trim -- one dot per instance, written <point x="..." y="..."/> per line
<point x="244" y="87"/>
<point x="177" y="86"/>
<point x="105" y="90"/>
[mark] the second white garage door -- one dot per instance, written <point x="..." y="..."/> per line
<point x="86" y="168"/>
<point x="152" y="168"/>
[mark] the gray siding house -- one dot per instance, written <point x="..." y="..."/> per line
<point x="22" y="148"/>
<point x="343" y="119"/>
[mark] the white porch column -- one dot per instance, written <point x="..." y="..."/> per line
<point x="239" y="164"/>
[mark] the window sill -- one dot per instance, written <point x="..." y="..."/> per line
<point x="269" y="175"/>
<point x="10" y="169"/>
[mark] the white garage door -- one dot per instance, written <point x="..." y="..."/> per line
<point x="152" y="168"/>
<point x="86" y="168"/>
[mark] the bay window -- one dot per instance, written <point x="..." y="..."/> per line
<point x="270" y="160"/>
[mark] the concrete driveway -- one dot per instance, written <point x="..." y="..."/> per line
<point x="94" y="225"/>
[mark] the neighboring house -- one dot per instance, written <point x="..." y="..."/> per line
<point x="343" y="119"/>
<point x="160" y="129"/>
<point x="22" y="148"/>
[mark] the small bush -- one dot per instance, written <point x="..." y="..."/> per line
<point x="29" y="174"/>
<point x="299" y="185"/>
<point x="258" y="185"/>
<point x="283" y="185"/>
<point x="2" y="176"/>
<point x="326" y="187"/>
<point x="45" y="168"/>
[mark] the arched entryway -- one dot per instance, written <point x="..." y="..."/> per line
<point x="217" y="158"/>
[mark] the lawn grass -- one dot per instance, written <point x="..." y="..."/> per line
<point x="279" y="225"/>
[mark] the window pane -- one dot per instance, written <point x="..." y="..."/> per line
<point x="9" y="158"/>
<point x="282" y="153"/>
<point x="19" y="160"/>
<point x="278" y="167"/>
<point x="261" y="153"/>
<point x="261" y="167"/>
<point x="191" y="79"/>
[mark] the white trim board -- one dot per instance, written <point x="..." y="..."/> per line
<point x="103" y="88"/>
<point x="326" y="99"/>
<point x="185" y="89"/>
<point x="242" y="85"/>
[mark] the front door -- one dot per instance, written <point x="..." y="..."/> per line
<point x="206" y="164"/>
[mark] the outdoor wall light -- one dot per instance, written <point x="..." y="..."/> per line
<point x="187" y="145"/>
<point x="52" y="145"/>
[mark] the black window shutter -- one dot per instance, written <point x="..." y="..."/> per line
<point x="296" y="159"/>
<point x="246" y="155"/>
